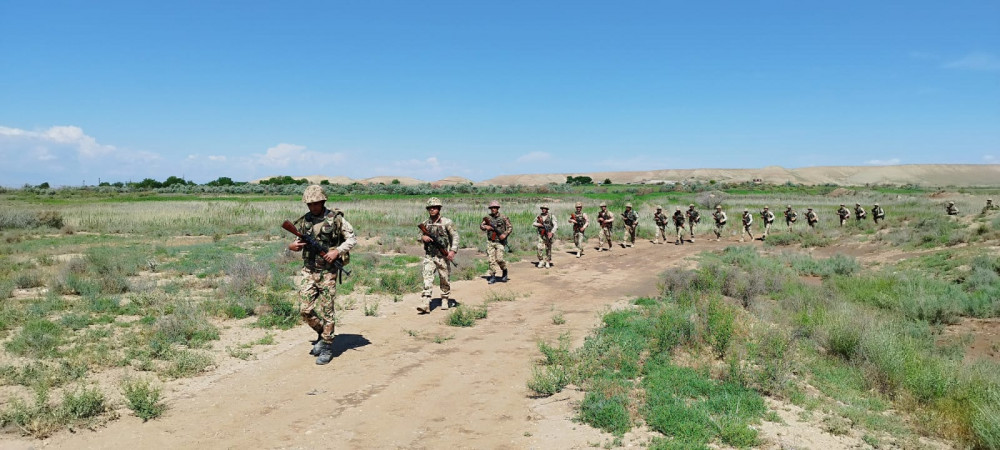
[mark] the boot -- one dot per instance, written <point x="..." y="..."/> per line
<point x="444" y="303"/>
<point x="503" y="277"/>
<point x="425" y="309"/>
<point x="325" y="353"/>
<point x="317" y="345"/>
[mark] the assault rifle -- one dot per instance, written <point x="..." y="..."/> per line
<point x="577" y="226"/>
<point x="437" y="244"/>
<point x="543" y="230"/>
<point x="337" y="265"/>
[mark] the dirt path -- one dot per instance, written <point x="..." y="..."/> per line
<point x="389" y="389"/>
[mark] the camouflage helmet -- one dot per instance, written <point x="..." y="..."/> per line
<point x="658" y="207"/>
<point x="628" y="205"/>
<point x="765" y="206"/>
<point x="789" y="206"/>
<point x="603" y="204"/>
<point x="579" y="204"/>
<point x="494" y="204"/>
<point x="951" y="203"/>
<point x="433" y="201"/>
<point x="876" y="204"/>
<point x="857" y="204"/>
<point x="313" y="193"/>
<point x="809" y="209"/>
<point x="718" y="206"/>
<point x="691" y="206"/>
<point x="543" y="206"/>
<point x="678" y="208"/>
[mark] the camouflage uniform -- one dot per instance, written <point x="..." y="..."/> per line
<point x="436" y="261"/>
<point x="989" y="206"/>
<point x="790" y="217"/>
<point x="747" y="221"/>
<point x="767" y="217"/>
<point x="606" y="220"/>
<point x="811" y="218"/>
<point x="631" y="221"/>
<point x="859" y="213"/>
<point x="843" y="213"/>
<point x="580" y="223"/>
<point x="546" y="224"/>
<point x="317" y="282"/>
<point x="951" y="209"/>
<point x="694" y="218"/>
<point x="661" y="225"/>
<point x="496" y="241"/>
<point x="679" y="220"/>
<point x="720" y="221"/>
<point x="877" y="213"/>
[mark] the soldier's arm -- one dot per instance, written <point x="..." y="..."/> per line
<point x="555" y="224"/>
<point x="507" y="226"/>
<point x="347" y="232"/>
<point x="453" y="233"/>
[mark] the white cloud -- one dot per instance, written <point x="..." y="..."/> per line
<point x="883" y="162"/>
<point x="979" y="61"/>
<point x="297" y="157"/>
<point x="534" y="157"/>
<point x="990" y="159"/>
<point x="62" y="153"/>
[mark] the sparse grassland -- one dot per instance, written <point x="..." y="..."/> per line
<point x="98" y="282"/>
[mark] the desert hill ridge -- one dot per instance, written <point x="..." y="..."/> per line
<point x="962" y="175"/>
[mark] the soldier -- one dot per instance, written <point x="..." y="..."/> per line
<point x="661" y="225"/>
<point x="790" y="217"/>
<point x="877" y="213"/>
<point x="951" y="209"/>
<point x="580" y="223"/>
<point x="631" y="220"/>
<point x="679" y="225"/>
<point x="606" y="220"/>
<point x="720" y="221"/>
<point x="694" y="217"/>
<point x="989" y="206"/>
<point x="767" y="217"/>
<point x="317" y="286"/>
<point x="844" y="214"/>
<point x="546" y="224"/>
<point x="747" y="221"/>
<point x="497" y="227"/>
<point x="859" y="213"/>
<point x="440" y="244"/>
<point x="811" y="218"/>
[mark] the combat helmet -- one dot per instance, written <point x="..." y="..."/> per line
<point x="494" y="204"/>
<point x="876" y="204"/>
<point x="628" y="205"/>
<point x="691" y="206"/>
<point x="543" y="206"/>
<point x="951" y="203"/>
<point x="718" y="206"/>
<point x="313" y="193"/>
<point x="857" y="204"/>
<point x="579" y="204"/>
<point x="603" y="204"/>
<point x="659" y="207"/>
<point x="433" y="201"/>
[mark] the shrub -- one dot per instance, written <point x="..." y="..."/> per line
<point x="607" y="413"/>
<point x="39" y="338"/>
<point x="188" y="363"/>
<point x="142" y="398"/>
<point x="83" y="403"/>
<point x="463" y="316"/>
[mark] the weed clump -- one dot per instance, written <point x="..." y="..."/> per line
<point x="142" y="398"/>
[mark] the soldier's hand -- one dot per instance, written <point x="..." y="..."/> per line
<point x="331" y="255"/>
<point x="451" y="255"/>
<point x="427" y="239"/>
<point x="296" y="245"/>
<point x="550" y="234"/>
<point x="503" y="236"/>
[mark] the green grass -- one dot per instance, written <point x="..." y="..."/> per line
<point x="143" y="398"/>
<point x="466" y="316"/>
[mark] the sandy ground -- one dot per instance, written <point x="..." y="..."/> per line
<point x="392" y="386"/>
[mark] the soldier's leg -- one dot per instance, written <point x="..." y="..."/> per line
<point x="548" y="252"/>
<point x="326" y="304"/>
<point x="444" y="274"/>
<point x="428" y="270"/>
<point x="540" y="250"/>
<point x="578" y="240"/>
<point x="491" y="256"/>
<point x="308" y="292"/>
<point x="501" y="262"/>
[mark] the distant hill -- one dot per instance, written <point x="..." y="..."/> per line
<point x="921" y="174"/>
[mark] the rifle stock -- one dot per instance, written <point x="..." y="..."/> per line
<point x="320" y="249"/>
<point x="435" y="243"/>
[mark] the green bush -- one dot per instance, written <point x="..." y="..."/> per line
<point x="607" y="413"/>
<point x="188" y="363"/>
<point x="464" y="316"/>
<point x="83" y="403"/>
<point x="142" y="398"/>
<point x="39" y="338"/>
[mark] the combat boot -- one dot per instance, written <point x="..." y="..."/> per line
<point x="425" y="309"/>
<point x="317" y="345"/>
<point x="503" y="276"/>
<point x="444" y="303"/>
<point x="325" y="353"/>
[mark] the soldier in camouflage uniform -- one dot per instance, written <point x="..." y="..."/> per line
<point x="989" y="206"/>
<point x="679" y="220"/>
<point x="580" y="223"/>
<point x="877" y="213"/>
<point x="606" y="221"/>
<point x="439" y="252"/>
<point x="747" y="221"/>
<point x="720" y="221"/>
<point x="497" y="227"/>
<point x="790" y="217"/>
<point x="843" y="213"/>
<point x="661" y="225"/>
<point x="317" y="284"/>
<point x="694" y="218"/>
<point x="631" y="220"/>
<point x="767" y="217"/>
<point x="859" y="213"/>
<point x="951" y="209"/>
<point x="546" y="224"/>
<point x="811" y="218"/>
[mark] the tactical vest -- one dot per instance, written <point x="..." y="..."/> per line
<point x="546" y="222"/>
<point x="660" y="219"/>
<point x="499" y="226"/>
<point x="720" y="217"/>
<point x="438" y="234"/>
<point x="606" y="215"/>
<point x="581" y="221"/>
<point x="694" y="216"/>
<point x="328" y="230"/>
<point x="678" y="219"/>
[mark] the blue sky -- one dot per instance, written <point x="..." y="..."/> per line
<point x="127" y="90"/>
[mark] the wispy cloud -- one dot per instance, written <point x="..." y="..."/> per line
<point x="978" y="61"/>
<point x="534" y="157"/>
<point x="883" y="162"/>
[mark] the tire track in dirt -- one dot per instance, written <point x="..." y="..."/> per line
<point x="398" y="391"/>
